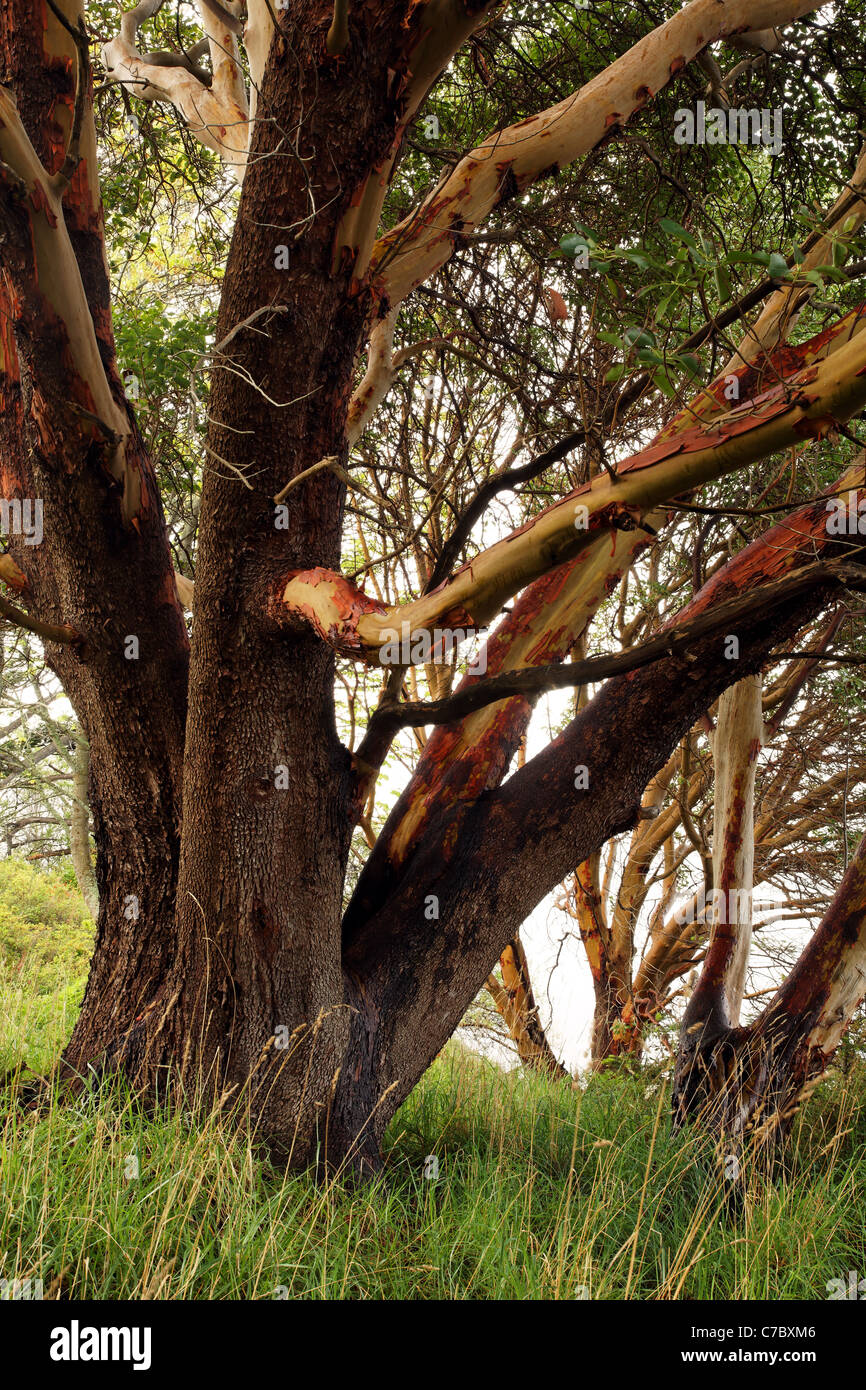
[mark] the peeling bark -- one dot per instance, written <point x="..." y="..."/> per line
<point x="99" y="569"/>
<point x="512" y="159"/>
<point x="752" y="1080"/>
<point x="809" y="402"/>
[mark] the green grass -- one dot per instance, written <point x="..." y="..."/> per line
<point x="544" y="1192"/>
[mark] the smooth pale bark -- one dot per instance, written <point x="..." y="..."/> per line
<point x="713" y="1011"/>
<point x="752" y="1078"/>
<point x="463" y="760"/>
<point x="216" y="113"/>
<point x="512" y="159"/>
<point x="737" y="742"/>
<point x="810" y="402"/>
<point x="677" y="940"/>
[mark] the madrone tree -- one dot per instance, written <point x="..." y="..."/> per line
<point x="223" y="799"/>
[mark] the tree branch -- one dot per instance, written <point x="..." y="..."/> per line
<point x="806" y="403"/>
<point x="218" y="115"/>
<point x="49" y="632"/>
<point x="512" y="159"/>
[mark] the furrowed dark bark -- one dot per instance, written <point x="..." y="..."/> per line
<point x="98" y="570"/>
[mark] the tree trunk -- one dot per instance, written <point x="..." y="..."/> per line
<point x="100" y="499"/>
<point x="255" y="1001"/>
<point x="515" y="1000"/>
<point x="713" y="1011"/>
<point x="752" y="1080"/>
<point x="79" y="829"/>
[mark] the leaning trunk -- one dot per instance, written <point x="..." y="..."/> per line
<point x="515" y="1000"/>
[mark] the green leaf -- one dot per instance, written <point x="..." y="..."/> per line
<point x="674" y="229"/>
<point x="664" y="384"/>
<point x="722" y="278"/>
<point x="589" y="236"/>
<point x="639" y="337"/>
<point x="777" y="267"/>
<point x="691" y="362"/>
<point x="572" y="243"/>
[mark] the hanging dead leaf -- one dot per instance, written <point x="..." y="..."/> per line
<point x="557" y="309"/>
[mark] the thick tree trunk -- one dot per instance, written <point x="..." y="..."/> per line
<point x="79" y="829"/>
<point x="255" y="1002"/>
<point x="99" y="500"/>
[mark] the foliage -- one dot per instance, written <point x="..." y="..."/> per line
<point x="46" y="937"/>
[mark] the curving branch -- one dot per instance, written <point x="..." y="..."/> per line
<point x="218" y="113"/>
<point x="433" y="31"/>
<point x="510" y="160"/>
<point x="676" y="638"/>
<point x="810" y="401"/>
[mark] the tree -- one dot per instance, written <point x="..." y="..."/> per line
<point x="644" y="908"/>
<point x="223" y="799"/>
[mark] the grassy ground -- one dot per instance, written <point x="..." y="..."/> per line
<point x="544" y="1191"/>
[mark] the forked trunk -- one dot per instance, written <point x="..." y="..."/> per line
<point x="740" y="1079"/>
<point x="713" y="1011"/>
<point x="752" y="1080"/>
